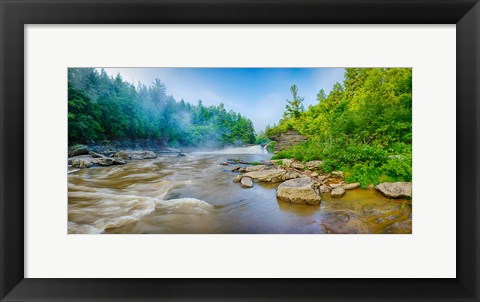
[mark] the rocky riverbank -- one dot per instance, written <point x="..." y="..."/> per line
<point x="304" y="183"/>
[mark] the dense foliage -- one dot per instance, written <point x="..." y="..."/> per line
<point x="105" y="108"/>
<point x="363" y="126"/>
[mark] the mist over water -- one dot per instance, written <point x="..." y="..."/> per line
<point x="195" y="194"/>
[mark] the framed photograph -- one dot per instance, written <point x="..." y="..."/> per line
<point x="240" y="150"/>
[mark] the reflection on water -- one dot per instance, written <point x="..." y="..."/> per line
<point x="195" y="194"/>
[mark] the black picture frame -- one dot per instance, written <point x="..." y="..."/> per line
<point x="16" y="13"/>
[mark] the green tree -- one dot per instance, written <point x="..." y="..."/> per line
<point x="294" y="107"/>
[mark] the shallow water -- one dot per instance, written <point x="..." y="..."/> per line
<point x="195" y="194"/>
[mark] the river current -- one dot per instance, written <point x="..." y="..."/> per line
<point x="195" y="194"/>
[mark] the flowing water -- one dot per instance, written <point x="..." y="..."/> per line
<point x="195" y="194"/>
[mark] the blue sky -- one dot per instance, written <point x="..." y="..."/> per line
<point x="258" y="93"/>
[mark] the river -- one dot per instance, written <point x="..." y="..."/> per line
<point x="195" y="194"/>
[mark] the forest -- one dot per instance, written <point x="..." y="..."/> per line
<point x="102" y="108"/>
<point x="362" y="127"/>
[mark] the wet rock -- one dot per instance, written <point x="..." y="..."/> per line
<point x="82" y="162"/>
<point x="181" y="154"/>
<point x="238" y="178"/>
<point x="338" y="192"/>
<point x="273" y="175"/>
<point x="76" y="150"/>
<point x="395" y="189"/>
<point x="299" y="191"/>
<point x="236" y="169"/>
<point x="314" y="164"/>
<point x="351" y="186"/>
<point x="109" y="161"/>
<point x="338" y="174"/>
<point x="246" y="182"/>
<point x="224" y="163"/>
<point x="122" y="155"/>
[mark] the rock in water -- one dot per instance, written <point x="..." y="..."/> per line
<point x="395" y="189"/>
<point x="255" y="168"/>
<point x="135" y="154"/>
<point x="238" y="178"/>
<point x="273" y="175"/>
<point x="78" y="150"/>
<point x="108" y="161"/>
<point x="299" y="190"/>
<point x="338" y="192"/>
<point x="246" y="182"/>
<point x="351" y="186"/>
<point x="224" y="163"/>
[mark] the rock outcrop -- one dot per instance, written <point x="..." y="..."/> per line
<point x="395" y="189"/>
<point x="286" y="139"/>
<point x="298" y="191"/>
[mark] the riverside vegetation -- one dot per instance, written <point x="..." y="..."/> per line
<point x="343" y="165"/>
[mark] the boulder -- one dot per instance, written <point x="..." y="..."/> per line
<point x="235" y="169"/>
<point x="338" y="174"/>
<point x="122" y="155"/>
<point x="108" y="161"/>
<point x="76" y="150"/>
<point x="314" y="164"/>
<point x="324" y="189"/>
<point x="273" y="175"/>
<point x="351" y="186"/>
<point x="246" y="182"/>
<point x="338" y="192"/>
<point x="314" y="174"/>
<point x="82" y="162"/>
<point x="323" y="177"/>
<point x="395" y="189"/>
<point x="238" y="178"/>
<point x="299" y="190"/>
<point x="224" y="163"/>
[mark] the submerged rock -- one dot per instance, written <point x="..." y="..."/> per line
<point x="246" y="182"/>
<point x="395" y="189"/>
<point x="299" y="191"/>
<point x="273" y="175"/>
<point x="338" y="192"/>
